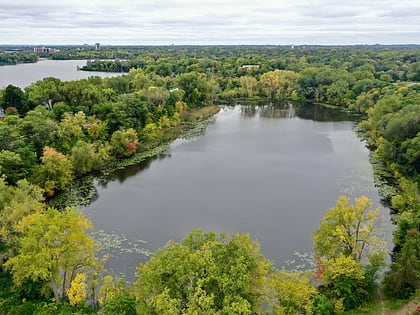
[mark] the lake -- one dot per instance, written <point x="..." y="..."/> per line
<point x="24" y="74"/>
<point x="270" y="171"/>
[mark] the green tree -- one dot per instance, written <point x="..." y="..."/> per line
<point x="403" y="279"/>
<point x="12" y="166"/>
<point x="44" y="90"/>
<point x="122" y="303"/>
<point x="59" y="109"/>
<point x="414" y="71"/>
<point x="205" y="274"/>
<point x="195" y="86"/>
<point x="13" y="96"/>
<point x="38" y="128"/>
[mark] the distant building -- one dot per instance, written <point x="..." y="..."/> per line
<point x="40" y="50"/>
<point x="97" y="46"/>
<point x="12" y="50"/>
<point x="250" y="66"/>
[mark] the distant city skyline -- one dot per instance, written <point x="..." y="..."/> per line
<point x="201" y="22"/>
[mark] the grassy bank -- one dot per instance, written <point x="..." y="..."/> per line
<point x="389" y="307"/>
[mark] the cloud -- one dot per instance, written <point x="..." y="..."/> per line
<point x="208" y="22"/>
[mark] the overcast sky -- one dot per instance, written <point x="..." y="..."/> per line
<point x="165" y="22"/>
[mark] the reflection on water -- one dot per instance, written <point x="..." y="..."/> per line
<point x="271" y="110"/>
<point x="122" y="174"/>
<point x="315" y="112"/>
<point x="131" y="170"/>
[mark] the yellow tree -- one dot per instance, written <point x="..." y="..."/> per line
<point x="53" y="247"/>
<point x="19" y="201"/>
<point x="280" y="83"/>
<point x="348" y="229"/>
<point x="293" y="292"/>
<point x="55" y="171"/>
<point x="248" y="85"/>
<point x="345" y="239"/>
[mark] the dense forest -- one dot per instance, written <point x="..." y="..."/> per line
<point x="55" y="132"/>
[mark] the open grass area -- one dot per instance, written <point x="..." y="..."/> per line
<point x="389" y="307"/>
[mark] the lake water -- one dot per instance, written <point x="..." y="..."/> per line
<point x="270" y="171"/>
<point x="23" y="75"/>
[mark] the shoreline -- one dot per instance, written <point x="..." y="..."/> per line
<point x="82" y="191"/>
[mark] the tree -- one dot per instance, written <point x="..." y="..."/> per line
<point x="279" y="83"/>
<point x="86" y="157"/>
<point x="205" y="274"/>
<point x="53" y="247"/>
<point x="337" y="92"/>
<point x="348" y="229"/>
<point x="44" y="90"/>
<point x="38" y="128"/>
<point x="157" y="96"/>
<point x="12" y="165"/>
<point x="16" y="202"/>
<point x="344" y="282"/>
<point x="70" y="130"/>
<point x="55" y="171"/>
<point x="13" y="96"/>
<point x="345" y="240"/>
<point x="59" y="109"/>
<point x="124" y="142"/>
<point x="195" y="86"/>
<point x="404" y="279"/>
<point x="248" y="85"/>
<point x="414" y="71"/>
<point x="293" y="292"/>
<point x="122" y="303"/>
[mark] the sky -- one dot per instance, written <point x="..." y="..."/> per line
<point x="205" y="22"/>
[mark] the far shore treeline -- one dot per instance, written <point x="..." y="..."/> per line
<point x="54" y="133"/>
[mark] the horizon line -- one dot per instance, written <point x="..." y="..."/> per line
<point x="232" y="45"/>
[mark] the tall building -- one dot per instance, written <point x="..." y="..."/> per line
<point x="97" y="46"/>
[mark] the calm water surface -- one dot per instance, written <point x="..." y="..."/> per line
<point x="270" y="171"/>
<point x="23" y="75"/>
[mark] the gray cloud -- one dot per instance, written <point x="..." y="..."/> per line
<point x="209" y="22"/>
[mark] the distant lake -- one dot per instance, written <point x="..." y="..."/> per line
<point x="24" y="74"/>
<point x="269" y="170"/>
